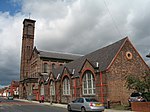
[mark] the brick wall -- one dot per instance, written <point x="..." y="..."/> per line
<point x="46" y="92"/>
<point x="120" y="69"/>
<point x="140" y="106"/>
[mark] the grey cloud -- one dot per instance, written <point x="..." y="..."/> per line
<point x="90" y="22"/>
<point x="9" y="69"/>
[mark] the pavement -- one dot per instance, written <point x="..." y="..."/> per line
<point x="65" y="106"/>
<point x="45" y="103"/>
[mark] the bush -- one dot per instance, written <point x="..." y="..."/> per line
<point x="140" y="84"/>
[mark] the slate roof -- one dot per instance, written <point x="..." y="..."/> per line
<point x="103" y="56"/>
<point x="30" y="80"/>
<point x="44" y="78"/>
<point x="57" y="71"/>
<point x="56" y="55"/>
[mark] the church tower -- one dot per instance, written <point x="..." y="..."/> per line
<point x="27" y="47"/>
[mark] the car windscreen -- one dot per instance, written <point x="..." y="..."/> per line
<point x="90" y="100"/>
<point x="135" y="94"/>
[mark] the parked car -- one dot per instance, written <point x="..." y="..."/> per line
<point x="138" y="97"/>
<point x="10" y="97"/>
<point x="85" y="104"/>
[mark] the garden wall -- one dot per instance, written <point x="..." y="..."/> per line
<point x="140" y="106"/>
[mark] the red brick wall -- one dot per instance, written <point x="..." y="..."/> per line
<point x="140" y="106"/>
<point x="46" y="92"/>
<point x="120" y="69"/>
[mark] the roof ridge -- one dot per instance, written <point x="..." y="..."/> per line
<point x="60" y="52"/>
<point x="121" y="40"/>
<point x="113" y="43"/>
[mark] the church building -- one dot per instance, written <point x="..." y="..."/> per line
<point x="62" y="77"/>
<point x="35" y="63"/>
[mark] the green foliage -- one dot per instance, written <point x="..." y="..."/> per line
<point x="140" y="84"/>
<point x="147" y="83"/>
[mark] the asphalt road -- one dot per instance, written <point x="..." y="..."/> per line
<point x="26" y="106"/>
<point x="20" y="106"/>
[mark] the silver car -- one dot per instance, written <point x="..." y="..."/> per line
<point x="85" y="104"/>
<point x="136" y="97"/>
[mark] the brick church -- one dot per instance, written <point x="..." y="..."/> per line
<point x="62" y="77"/>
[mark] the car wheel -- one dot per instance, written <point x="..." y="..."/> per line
<point x="83" y="109"/>
<point x="69" y="108"/>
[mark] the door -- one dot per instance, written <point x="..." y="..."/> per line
<point x="74" y="104"/>
<point x="79" y="104"/>
<point x="42" y="90"/>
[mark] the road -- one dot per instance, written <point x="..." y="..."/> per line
<point x="26" y="106"/>
<point x="20" y="106"/>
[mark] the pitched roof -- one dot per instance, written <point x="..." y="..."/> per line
<point x="103" y="56"/>
<point x="57" y="71"/>
<point x="44" y="78"/>
<point x="58" y="55"/>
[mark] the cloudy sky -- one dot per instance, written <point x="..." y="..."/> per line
<point x="74" y="26"/>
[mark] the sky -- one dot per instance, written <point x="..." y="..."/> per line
<point x="71" y="26"/>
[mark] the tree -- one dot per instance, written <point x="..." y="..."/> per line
<point x="140" y="84"/>
<point x="147" y="82"/>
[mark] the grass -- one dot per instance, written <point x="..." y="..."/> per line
<point x="120" y="107"/>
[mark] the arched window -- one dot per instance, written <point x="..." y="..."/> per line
<point x="45" y="68"/>
<point x="66" y="86"/>
<point x="60" y="64"/>
<point x="52" y="88"/>
<point x="88" y="85"/>
<point x="53" y="66"/>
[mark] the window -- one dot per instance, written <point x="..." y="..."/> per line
<point x="28" y="53"/>
<point x="88" y="85"/>
<point x="26" y="75"/>
<point x="60" y="64"/>
<point x="90" y="100"/>
<point x="81" y="100"/>
<point x="77" y="100"/>
<point x="30" y="29"/>
<point x="129" y="55"/>
<point x="45" y="68"/>
<point x="52" y="88"/>
<point x="66" y="86"/>
<point x="53" y="66"/>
